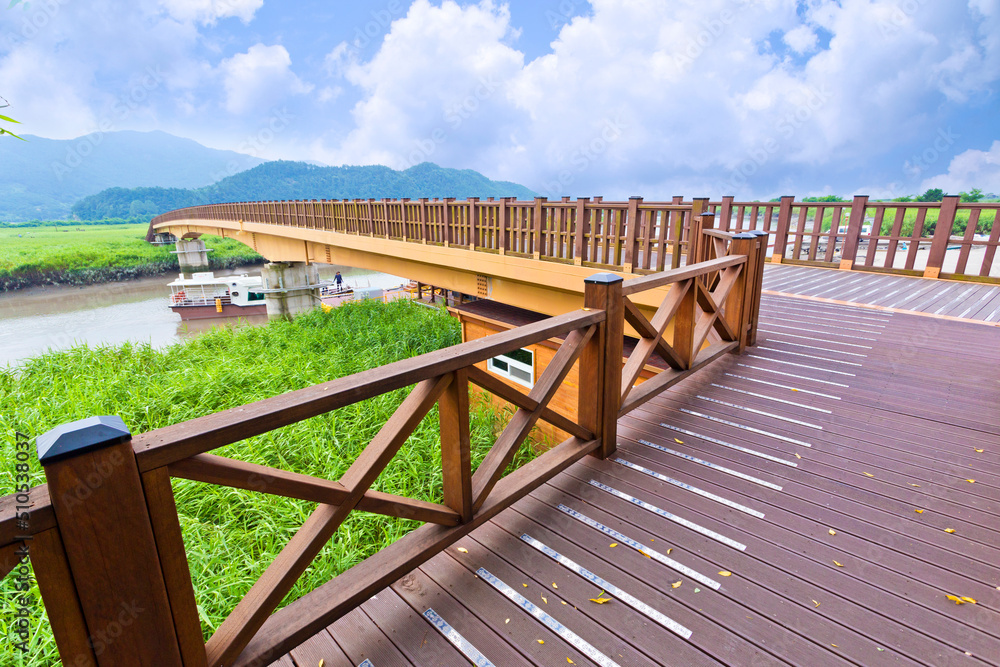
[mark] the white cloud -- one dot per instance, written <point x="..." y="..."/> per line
<point x="208" y="12"/>
<point x="801" y="39"/>
<point x="971" y="169"/>
<point x="261" y="78"/>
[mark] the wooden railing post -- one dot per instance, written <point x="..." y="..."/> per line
<point x="581" y="227"/>
<point x="449" y="233"/>
<point x="755" y="273"/>
<point x="698" y="206"/>
<point x="600" y="386"/>
<point x="849" y="250"/>
<point x="781" y="232"/>
<point x="503" y="219"/>
<point x="942" y="234"/>
<point x="539" y="216"/>
<point x="631" y="234"/>
<point x="726" y="213"/>
<point x="107" y="531"/>
<point x="739" y="303"/>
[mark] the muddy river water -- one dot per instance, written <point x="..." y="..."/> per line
<point x="38" y="319"/>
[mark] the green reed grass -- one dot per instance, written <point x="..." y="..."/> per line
<point x="96" y="253"/>
<point x="232" y="535"/>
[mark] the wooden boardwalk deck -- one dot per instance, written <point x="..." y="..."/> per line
<point x="944" y="298"/>
<point x="824" y="470"/>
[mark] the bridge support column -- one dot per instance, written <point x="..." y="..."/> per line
<point x="192" y="255"/>
<point x="294" y="282"/>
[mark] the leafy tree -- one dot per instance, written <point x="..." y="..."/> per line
<point x="903" y="199"/>
<point x="934" y="194"/>
<point x="7" y="119"/>
<point x="827" y="198"/>
<point x="974" y="196"/>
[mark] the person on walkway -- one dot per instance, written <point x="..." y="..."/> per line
<point x="339" y="281"/>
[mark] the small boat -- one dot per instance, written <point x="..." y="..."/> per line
<point x="203" y="296"/>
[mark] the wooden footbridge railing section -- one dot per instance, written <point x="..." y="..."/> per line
<point x="908" y="238"/>
<point x="104" y="534"/>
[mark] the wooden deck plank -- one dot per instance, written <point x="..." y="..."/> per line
<point x="320" y="647"/>
<point x="913" y="414"/>
<point x="362" y="640"/>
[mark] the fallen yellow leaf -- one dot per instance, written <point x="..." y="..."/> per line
<point x="613" y="545"/>
<point x="968" y="599"/>
<point x="869" y="474"/>
<point x="794" y="389"/>
<point x="506" y="621"/>
<point x="525" y="585"/>
<point x="971" y="481"/>
<point x="541" y="641"/>
<point x="676" y="584"/>
<point x="837" y="564"/>
<point x="919" y="511"/>
<point x="916" y="485"/>
<point x="570" y="661"/>
<point x="322" y="662"/>
<point x="978" y="451"/>
<point x="956" y="599"/>
<point x="600" y="600"/>
<point x="797" y="456"/>
<point x="463" y="550"/>
<point x="645" y="554"/>
<point x="725" y="573"/>
<point x="834" y="645"/>
<point x="679" y="442"/>
<point x="815" y="603"/>
<point x="545" y="599"/>
<point x="669" y="550"/>
<point x="832" y="531"/>
<point x="554" y="585"/>
<point x="563" y="601"/>
<point x="949" y="530"/>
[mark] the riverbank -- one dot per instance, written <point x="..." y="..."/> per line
<point x="232" y="535"/>
<point x="96" y="253"/>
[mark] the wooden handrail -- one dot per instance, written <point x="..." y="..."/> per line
<point x="708" y="310"/>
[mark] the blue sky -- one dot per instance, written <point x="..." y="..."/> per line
<point x="754" y="98"/>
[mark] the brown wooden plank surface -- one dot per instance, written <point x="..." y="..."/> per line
<point x="362" y="640"/>
<point x="841" y="569"/>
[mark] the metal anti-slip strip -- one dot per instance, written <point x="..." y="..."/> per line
<point x="552" y="624"/>
<point x="652" y="553"/>
<point x="760" y="412"/>
<point x="785" y="386"/>
<point x="746" y="428"/>
<point x="825" y="333"/>
<point x="709" y="464"/>
<point x="608" y="587"/>
<point x="793" y="375"/>
<point x="773" y="398"/>
<point x="798" y="365"/>
<point x="751" y="452"/>
<point x="814" y="347"/>
<point x="711" y="534"/>
<point x="367" y="663"/>
<point x="811" y="356"/>
<point x="688" y="487"/>
<point x="460" y="642"/>
<point x="818" y="340"/>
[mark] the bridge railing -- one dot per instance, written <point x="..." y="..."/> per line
<point x="104" y="533"/>
<point x="634" y="236"/>
<point x="907" y="238"/>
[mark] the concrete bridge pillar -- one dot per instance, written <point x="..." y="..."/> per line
<point x="192" y="256"/>
<point x="296" y="294"/>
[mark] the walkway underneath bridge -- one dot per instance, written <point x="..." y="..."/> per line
<point x="829" y="498"/>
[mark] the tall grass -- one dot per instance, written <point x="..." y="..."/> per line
<point x="96" y="253"/>
<point x="232" y="535"/>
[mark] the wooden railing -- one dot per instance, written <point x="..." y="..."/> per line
<point x="894" y="237"/>
<point x="104" y="532"/>
<point x="632" y="236"/>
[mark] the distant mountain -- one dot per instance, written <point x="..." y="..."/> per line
<point x="300" y="180"/>
<point x="42" y="178"/>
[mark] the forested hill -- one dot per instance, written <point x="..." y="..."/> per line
<point x="299" y="180"/>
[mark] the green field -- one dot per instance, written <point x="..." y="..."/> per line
<point x="232" y="535"/>
<point x="93" y="253"/>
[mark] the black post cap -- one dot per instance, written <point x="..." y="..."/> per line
<point x="80" y="436"/>
<point x="603" y="279"/>
<point x="745" y="235"/>
<point x="757" y="232"/>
